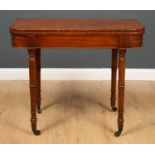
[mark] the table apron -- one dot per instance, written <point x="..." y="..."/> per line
<point x="101" y="41"/>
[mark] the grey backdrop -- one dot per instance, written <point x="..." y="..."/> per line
<point x="77" y="58"/>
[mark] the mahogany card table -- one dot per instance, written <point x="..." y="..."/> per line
<point x="118" y="35"/>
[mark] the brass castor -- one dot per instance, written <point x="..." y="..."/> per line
<point x="37" y="132"/>
<point x="39" y="110"/>
<point x="114" y="109"/>
<point x="117" y="133"/>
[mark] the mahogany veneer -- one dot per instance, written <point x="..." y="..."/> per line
<point x="34" y="34"/>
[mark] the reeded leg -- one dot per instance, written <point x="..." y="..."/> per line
<point x="113" y="78"/>
<point x="33" y="88"/>
<point x="38" y="81"/>
<point x="121" y="87"/>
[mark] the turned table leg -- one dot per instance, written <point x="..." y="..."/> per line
<point x="33" y="64"/>
<point x="121" y="87"/>
<point x="38" y="81"/>
<point x="113" y="78"/>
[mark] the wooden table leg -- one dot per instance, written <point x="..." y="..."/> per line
<point x="33" y="88"/>
<point x="113" y="78"/>
<point x="38" y="81"/>
<point x="121" y="87"/>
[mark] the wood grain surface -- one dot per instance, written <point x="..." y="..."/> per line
<point x="77" y="112"/>
<point x="98" y="33"/>
<point x="101" y="25"/>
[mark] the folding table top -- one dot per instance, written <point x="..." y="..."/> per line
<point x="37" y="25"/>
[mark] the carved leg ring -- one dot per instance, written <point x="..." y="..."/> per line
<point x="33" y="88"/>
<point x="113" y="79"/>
<point x="121" y="87"/>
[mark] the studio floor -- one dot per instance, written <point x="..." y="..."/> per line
<point x="77" y="112"/>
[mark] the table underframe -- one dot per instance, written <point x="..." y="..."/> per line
<point x="118" y="61"/>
